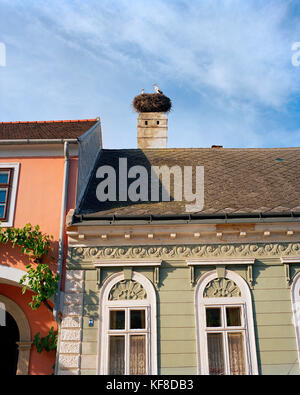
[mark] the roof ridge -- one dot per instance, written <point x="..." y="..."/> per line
<point x="52" y="121"/>
<point x="203" y="148"/>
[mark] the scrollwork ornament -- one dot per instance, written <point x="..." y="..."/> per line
<point x="185" y="251"/>
<point x="221" y="287"/>
<point x="127" y="290"/>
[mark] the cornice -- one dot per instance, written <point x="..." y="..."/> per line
<point x="183" y="234"/>
<point x="255" y="250"/>
<point x="218" y="256"/>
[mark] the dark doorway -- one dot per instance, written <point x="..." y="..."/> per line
<point x="9" y="335"/>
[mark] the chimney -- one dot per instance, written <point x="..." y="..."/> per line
<point x="152" y="121"/>
<point x="152" y="128"/>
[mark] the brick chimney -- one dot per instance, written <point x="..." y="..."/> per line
<point x="152" y="128"/>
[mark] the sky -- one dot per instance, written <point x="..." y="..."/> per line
<point x="225" y="64"/>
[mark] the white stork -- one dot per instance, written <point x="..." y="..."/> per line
<point x="157" y="90"/>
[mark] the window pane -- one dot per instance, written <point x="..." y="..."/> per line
<point x="3" y="193"/>
<point x="215" y="353"/>
<point x="236" y="353"/>
<point x="4" y="176"/>
<point x="117" y="319"/>
<point x="138" y="354"/>
<point x="137" y="319"/>
<point x="2" y="210"/>
<point x="116" y="355"/>
<point x="233" y="316"/>
<point x="213" y="317"/>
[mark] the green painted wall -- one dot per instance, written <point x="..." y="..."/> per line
<point x="273" y="319"/>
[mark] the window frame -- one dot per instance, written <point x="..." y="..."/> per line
<point x="295" y="296"/>
<point x="6" y="186"/>
<point x="224" y="329"/>
<point x="245" y="300"/>
<point x="148" y="304"/>
<point x="12" y="185"/>
<point x="127" y="332"/>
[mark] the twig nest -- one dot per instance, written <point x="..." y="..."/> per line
<point x="152" y="102"/>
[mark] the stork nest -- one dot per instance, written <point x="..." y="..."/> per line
<point x="152" y="102"/>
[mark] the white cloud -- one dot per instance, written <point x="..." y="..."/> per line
<point x="237" y="48"/>
<point x="225" y="64"/>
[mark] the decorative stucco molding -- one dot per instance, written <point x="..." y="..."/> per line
<point x="127" y="290"/>
<point x="70" y="338"/>
<point x="221" y="287"/>
<point x="220" y="264"/>
<point x="81" y="254"/>
<point x="287" y="261"/>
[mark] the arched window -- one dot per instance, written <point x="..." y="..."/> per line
<point x="128" y="335"/>
<point x="225" y="330"/>
<point x="296" y="309"/>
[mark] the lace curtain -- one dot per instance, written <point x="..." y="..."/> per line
<point x="137" y="355"/>
<point x="117" y="355"/>
<point x="216" y="353"/>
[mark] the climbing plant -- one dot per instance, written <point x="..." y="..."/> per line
<point x="32" y="241"/>
<point x="46" y="343"/>
<point x="39" y="277"/>
<point x="42" y="282"/>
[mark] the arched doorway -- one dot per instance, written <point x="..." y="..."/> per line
<point x="9" y="336"/>
<point x="24" y="343"/>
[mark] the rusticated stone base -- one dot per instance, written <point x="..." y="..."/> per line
<point x="71" y="327"/>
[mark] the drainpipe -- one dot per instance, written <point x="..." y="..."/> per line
<point x="56" y="309"/>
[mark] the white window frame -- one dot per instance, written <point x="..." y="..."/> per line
<point x="13" y="193"/>
<point x="295" y="293"/>
<point x="149" y="304"/>
<point x="127" y="332"/>
<point x="245" y="301"/>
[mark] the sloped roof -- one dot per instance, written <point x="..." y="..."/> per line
<point x="235" y="181"/>
<point x="45" y="129"/>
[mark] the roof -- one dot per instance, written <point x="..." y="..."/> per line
<point x="45" y="129"/>
<point x="235" y="181"/>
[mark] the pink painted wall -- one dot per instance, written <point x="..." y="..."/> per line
<point x="40" y="189"/>
<point x="39" y="203"/>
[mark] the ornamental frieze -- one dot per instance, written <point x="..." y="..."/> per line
<point x="185" y="251"/>
<point x="127" y="290"/>
<point x="221" y="287"/>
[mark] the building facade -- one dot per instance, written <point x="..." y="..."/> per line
<point x="38" y="184"/>
<point x="154" y="286"/>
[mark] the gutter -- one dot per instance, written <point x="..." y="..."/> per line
<point x="188" y="218"/>
<point x="61" y="229"/>
<point x="56" y="309"/>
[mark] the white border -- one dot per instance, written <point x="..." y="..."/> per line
<point x="11" y="274"/>
<point x="13" y="192"/>
<point x="295" y="294"/>
<point x="233" y="261"/>
<point x="129" y="262"/>
<point x="149" y="303"/>
<point x="245" y="299"/>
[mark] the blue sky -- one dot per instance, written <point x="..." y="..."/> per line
<point x="225" y="64"/>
